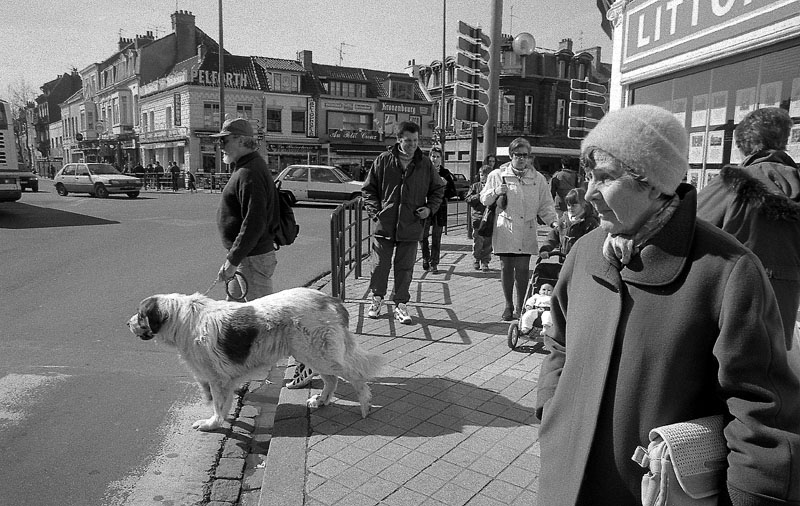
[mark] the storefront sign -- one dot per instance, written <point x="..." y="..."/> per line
<point x="419" y="110"/>
<point x="312" y="118"/>
<point x="176" y="120"/>
<point x="359" y="135"/>
<point x="660" y="29"/>
<point x="211" y="78"/>
<point x="348" y="106"/>
<point x="292" y="148"/>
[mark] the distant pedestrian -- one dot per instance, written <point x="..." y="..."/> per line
<point x="431" y="242"/>
<point x="481" y="246"/>
<point x="190" y="181"/>
<point x="175" y="172"/>
<point x="562" y="182"/>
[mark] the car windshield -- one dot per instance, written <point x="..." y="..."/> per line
<point x="344" y="177"/>
<point x="102" y="168"/>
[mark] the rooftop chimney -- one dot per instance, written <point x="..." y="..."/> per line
<point x="565" y="44"/>
<point x="304" y="57"/>
<point x="185" y="35"/>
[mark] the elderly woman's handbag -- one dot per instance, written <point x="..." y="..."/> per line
<point x="686" y="463"/>
<point x="486" y="226"/>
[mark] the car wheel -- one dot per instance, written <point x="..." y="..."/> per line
<point x="100" y="191"/>
<point x="61" y="190"/>
<point x="35" y="187"/>
<point x="133" y="195"/>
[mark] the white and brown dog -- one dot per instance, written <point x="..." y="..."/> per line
<point x="225" y="343"/>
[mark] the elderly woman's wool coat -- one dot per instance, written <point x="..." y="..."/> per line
<point x="528" y="197"/>
<point x="689" y="328"/>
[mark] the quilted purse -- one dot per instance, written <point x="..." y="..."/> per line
<point x="686" y="463"/>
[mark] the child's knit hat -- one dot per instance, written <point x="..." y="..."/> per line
<point x="648" y="139"/>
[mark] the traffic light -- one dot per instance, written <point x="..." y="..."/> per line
<point x="472" y="75"/>
<point x="586" y="107"/>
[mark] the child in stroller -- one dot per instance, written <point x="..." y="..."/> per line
<point x="537" y="311"/>
<point x="535" y="317"/>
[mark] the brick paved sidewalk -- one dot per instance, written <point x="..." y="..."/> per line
<point x="452" y="420"/>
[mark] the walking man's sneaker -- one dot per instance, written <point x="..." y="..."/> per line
<point x="485" y="267"/>
<point x="477" y="265"/>
<point x="401" y="314"/>
<point x="375" y="307"/>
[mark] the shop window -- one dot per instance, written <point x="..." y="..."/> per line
<point x="273" y="120"/>
<point x="338" y="120"/>
<point x="244" y="111"/>
<point x="298" y="122"/>
<point x="211" y="115"/>
<point x="712" y="102"/>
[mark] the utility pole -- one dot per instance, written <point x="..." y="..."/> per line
<point x="490" y="127"/>
<point x="443" y="75"/>
<point x="221" y="81"/>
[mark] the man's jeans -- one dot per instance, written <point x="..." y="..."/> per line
<point x="405" y="254"/>
<point x="257" y="271"/>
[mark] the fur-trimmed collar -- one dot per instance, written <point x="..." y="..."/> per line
<point x="750" y="191"/>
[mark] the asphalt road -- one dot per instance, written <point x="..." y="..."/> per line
<point x="89" y="414"/>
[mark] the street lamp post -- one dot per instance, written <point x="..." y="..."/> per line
<point x="490" y="127"/>
<point x="221" y="82"/>
<point x="442" y="75"/>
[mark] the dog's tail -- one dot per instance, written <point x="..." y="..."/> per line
<point x="360" y="364"/>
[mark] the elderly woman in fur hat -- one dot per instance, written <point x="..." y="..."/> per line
<point x="660" y="318"/>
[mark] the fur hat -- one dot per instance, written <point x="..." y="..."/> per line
<point x="646" y="138"/>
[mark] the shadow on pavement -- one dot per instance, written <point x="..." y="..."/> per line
<point x="21" y="216"/>
<point x="422" y="407"/>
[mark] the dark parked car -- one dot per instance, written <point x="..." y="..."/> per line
<point x="462" y="185"/>
<point x="28" y="180"/>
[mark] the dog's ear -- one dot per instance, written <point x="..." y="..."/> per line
<point x="150" y="311"/>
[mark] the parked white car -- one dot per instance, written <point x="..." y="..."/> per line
<point x="96" y="179"/>
<point x="318" y="183"/>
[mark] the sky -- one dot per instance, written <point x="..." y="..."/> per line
<point x="41" y="39"/>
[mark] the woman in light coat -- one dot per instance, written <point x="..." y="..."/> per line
<point x="660" y="318"/>
<point x="525" y="196"/>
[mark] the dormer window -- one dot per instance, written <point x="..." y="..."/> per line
<point x="286" y="82"/>
<point x="402" y="90"/>
<point x="342" y="89"/>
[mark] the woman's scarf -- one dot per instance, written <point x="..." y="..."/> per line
<point x="620" y="248"/>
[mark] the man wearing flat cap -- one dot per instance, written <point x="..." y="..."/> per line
<point x="247" y="213"/>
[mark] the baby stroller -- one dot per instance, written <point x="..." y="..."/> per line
<point x="544" y="272"/>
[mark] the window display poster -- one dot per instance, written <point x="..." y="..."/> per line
<point x="696" y="141"/>
<point x="736" y="155"/>
<point x="710" y="175"/>
<point x="719" y="106"/>
<point x="794" y="103"/>
<point x="389" y="124"/>
<point x="679" y="109"/>
<point x="770" y="95"/>
<point x="715" y="141"/>
<point x="699" y="110"/>
<point x="693" y="177"/>
<point x="745" y="102"/>
<point x="793" y="146"/>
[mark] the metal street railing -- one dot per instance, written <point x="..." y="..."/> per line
<point x="351" y="230"/>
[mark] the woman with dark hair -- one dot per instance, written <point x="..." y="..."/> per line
<point x="522" y="195"/>
<point x="435" y="224"/>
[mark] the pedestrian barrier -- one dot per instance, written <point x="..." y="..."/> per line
<point x="351" y="230"/>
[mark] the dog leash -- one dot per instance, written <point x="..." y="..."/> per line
<point x="242" y="284"/>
